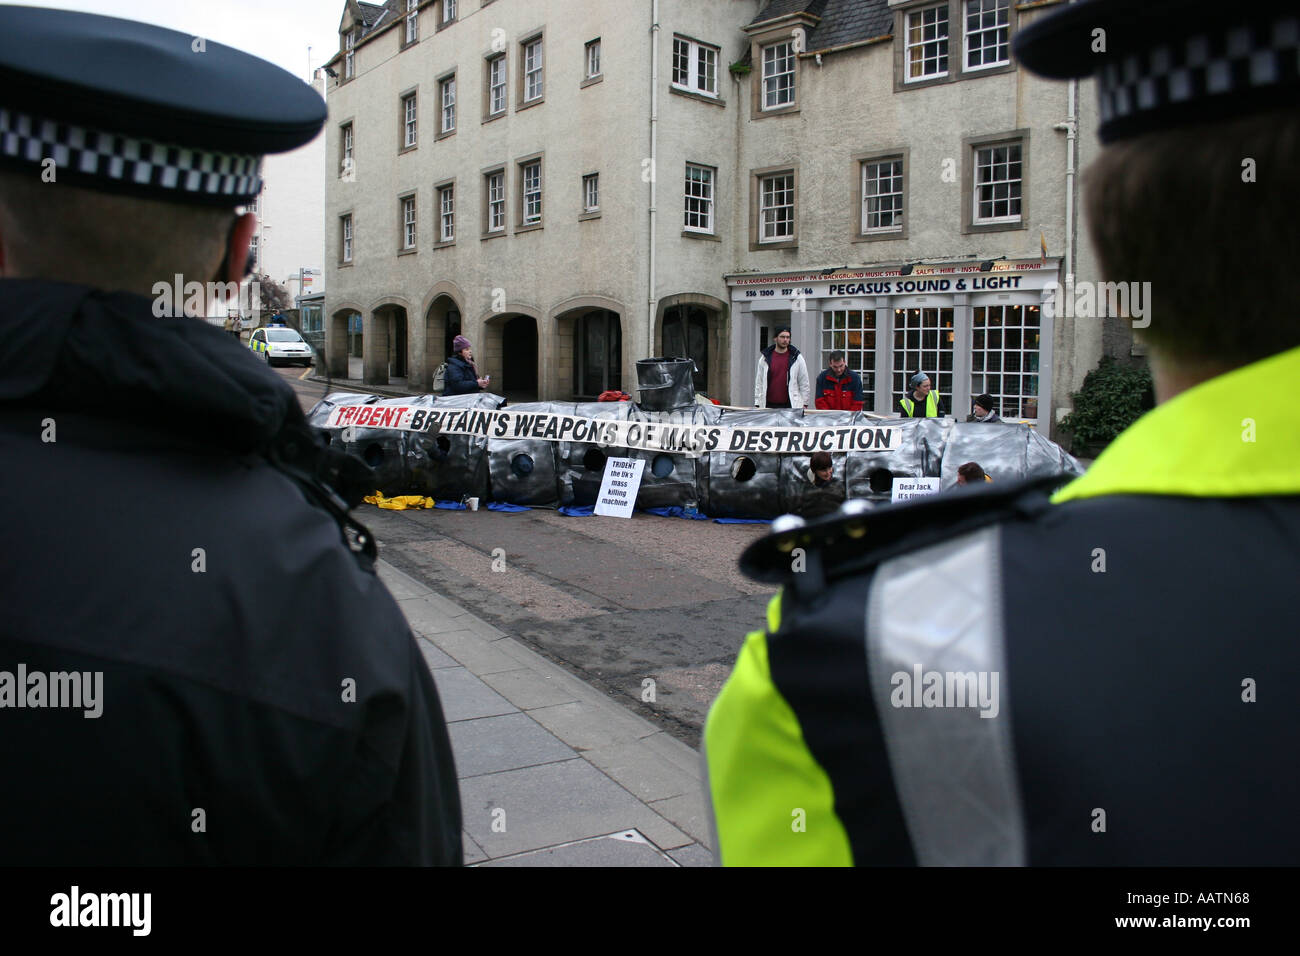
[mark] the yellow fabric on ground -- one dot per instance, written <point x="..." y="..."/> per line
<point x="399" y="503"/>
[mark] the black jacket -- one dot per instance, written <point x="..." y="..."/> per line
<point x="461" y="379"/>
<point x="149" y="537"/>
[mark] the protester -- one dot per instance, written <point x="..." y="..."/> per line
<point x="782" y="377"/>
<point x="1012" y="678"/>
<point x="462" y="375"/>
<point x="984" y="409"/>
<point x="246" y="689"/>
<point x="838" y="388"/>
<point x="971" y="474"/>
<point x="820" y="469"/>
<point x="920" y="402"/>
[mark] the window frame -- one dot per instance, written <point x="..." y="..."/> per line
<point x="445" y="82"/>
<point x="966" y="34"/>
<point x="444" y="20"/>
<point x="908" y="46"/>
<point x="957" y="44"/>
<point x="411" y="24"/>
<point x="756" y="179"/>
<point x="970" y="152"/>
<point x="347" y="238"/>
<point x="694" y="48"/>
<point x="347" y="149"/>
<point x="488" y="61"/>
<point x="522" y="165"/>
<point x="350" y="55"/>
<point x="409" y="124"/>
<point x="589" y="211"/>
<point x="522" y="102"/>
<point x="861" y="232"/>
<point x="712" y="200"/>
<point x="588" y="77"/>
<point x="441" y="190"/>
<point x="486" y="176"/>
<point x="407" y="226"/>
<point x="793" y="73"/>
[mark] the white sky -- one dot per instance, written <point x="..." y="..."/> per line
<point x="275" y="30"/>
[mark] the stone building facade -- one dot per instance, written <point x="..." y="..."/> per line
<point x="578" y="184"/>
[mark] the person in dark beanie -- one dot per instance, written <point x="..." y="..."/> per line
<point x="971" y="474"/>
<point x="781" y="380"/>
<point x="462" y="375"/>
<point x="230" y="683"/>
<point x="985" y="409"/>
<point x="1108" y="716"/>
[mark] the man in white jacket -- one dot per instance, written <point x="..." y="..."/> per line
<point x="782" y="377"/>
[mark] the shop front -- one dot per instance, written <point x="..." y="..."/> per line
<point x="974" y="328"/>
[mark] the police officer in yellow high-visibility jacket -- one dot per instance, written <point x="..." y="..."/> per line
<point x="1016" y="677"/>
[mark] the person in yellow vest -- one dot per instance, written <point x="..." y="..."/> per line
<point x="920" y="401"/>
<point x="1031" y="675"/>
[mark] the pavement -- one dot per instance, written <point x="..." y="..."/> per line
<point x="552" y="772"/>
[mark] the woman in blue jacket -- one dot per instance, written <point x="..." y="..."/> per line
<point x="462" y="376"/>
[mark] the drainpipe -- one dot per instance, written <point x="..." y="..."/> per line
<point x="1071" y="136"/>
<point x="654" y="174"/>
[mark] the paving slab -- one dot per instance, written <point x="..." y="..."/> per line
<point x="474" y="651"/>
<point x="585" y="725"/>
<point x="646" y="774"/>
<point x="465" y="697"/>
<point x="693" y="855"/>
<point x="473" y="853"/>
<point x="428" y="618"/>
<point x="622" y="849"/>
<point x="687" y="812"/>
<point x="509" y="742"/>
<point x="434" y="657"/>
<point x="539" y="807"/>
<point x="527" y="689"/>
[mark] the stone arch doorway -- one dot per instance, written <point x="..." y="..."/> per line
<point x="594" y="352"/>
<point x="442" y="323"/>
<point x="385" y="346"/>
<point x="693" y="326"/>
<point x="509" y="353"/>
<point x="343" y="339"/>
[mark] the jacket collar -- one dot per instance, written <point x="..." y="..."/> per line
<point x="72" y="347"/>
<point x="767" y="353"/>
<point x="1230" y="437"/>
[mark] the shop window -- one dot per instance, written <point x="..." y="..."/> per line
<point x="1006" y="342"/>
<point x="853" y="332"/>
<point x="923" y="342"/>
<point x="598" y="354"/>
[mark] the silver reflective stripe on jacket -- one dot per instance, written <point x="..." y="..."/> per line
<point x="937" y="669"/>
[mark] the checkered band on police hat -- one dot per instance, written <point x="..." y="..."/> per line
<point x="131" y="164"/>
<point x="1210" y="72"/>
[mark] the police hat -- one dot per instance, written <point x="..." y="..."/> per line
<point x="122" y="106"/>
<point x="1161" y="64"/>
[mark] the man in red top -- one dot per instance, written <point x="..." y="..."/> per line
<point x="838" y="388"/>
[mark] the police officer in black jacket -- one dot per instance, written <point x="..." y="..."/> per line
<point x="1075" y="676"/>
<point x="198" y="664"/>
